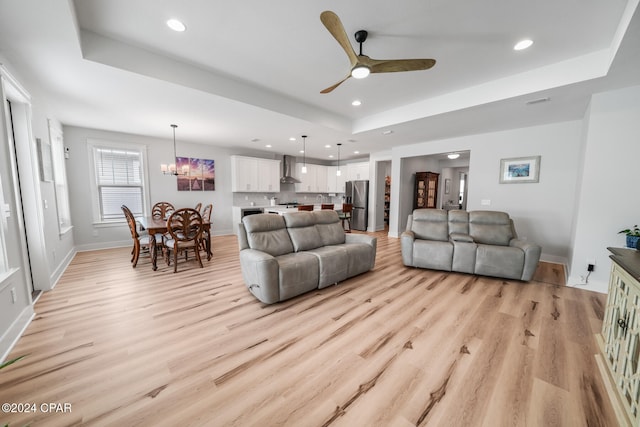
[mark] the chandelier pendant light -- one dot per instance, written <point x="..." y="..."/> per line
<point x="171" y="169"/>
<point x="304" y="154"/>
<point x="338" y="173"/>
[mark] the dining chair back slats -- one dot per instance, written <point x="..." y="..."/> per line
<point x="185" y="228"/>
<point x="162" y="210"/>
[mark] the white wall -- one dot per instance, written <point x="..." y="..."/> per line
<point x="161" y="187"/>
<point x="543" y="212"/>
<point x="608" y="194"/>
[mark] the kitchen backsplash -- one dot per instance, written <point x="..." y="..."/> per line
<point x="286" y="195"/>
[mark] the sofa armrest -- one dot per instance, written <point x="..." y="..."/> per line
<point x="260" y="272"/>
<point x="360" y="238"/>
<point x="531" y="257"/>
<point x="460" y="237"/>
<point x="363" y="238"/>
<point x="406" y="246"/>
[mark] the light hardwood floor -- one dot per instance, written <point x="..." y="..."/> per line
<point x="393" y="347"/>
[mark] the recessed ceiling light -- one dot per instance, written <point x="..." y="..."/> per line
<point x="387" y="132"/>
<point x="523" y="44"/>
<point x="453" y="155"/>
<point x="301" y="151"/>
<point x="356" y="103"/>
<point x="268" y="145"/>
<point x="356" y="152"/>
<point x="327" y="146"/>
<point x="331" y="156"/>
<point x="176" y="25"/>
<point x="292" y="139"/>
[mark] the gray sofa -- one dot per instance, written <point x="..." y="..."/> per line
<point x="475" y="242"/>
<point x="282" y="256"/>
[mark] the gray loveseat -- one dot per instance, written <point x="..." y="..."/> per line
<point x="285" y="256"/>
<point x="476" y="242"/>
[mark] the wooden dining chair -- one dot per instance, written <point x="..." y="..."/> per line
<point x="185" y="230"/>
<point x="206" y="234"/>
<point x="139" y="242"/>
<point x="305" y="207"/>
<point x="345" y="216"/>
<point x="199" y="207"/>
<point x="162" y="210"/>
<point x="328" y="206"/>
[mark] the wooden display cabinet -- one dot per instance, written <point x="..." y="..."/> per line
<point x="426" y="194"/>
<point x="620" y="339"/>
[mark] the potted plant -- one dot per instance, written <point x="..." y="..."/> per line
<point x="633" y="235"/>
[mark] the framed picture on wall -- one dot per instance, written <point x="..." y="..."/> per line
<point x="519" y="170"/>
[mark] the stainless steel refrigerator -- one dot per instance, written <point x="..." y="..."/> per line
<point x="357" y="193"/>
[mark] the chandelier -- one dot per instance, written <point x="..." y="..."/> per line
<point x="171" y="168"/>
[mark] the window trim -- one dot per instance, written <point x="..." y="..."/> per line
<point x="56" y="139"/>
<point x="92" y="145"/>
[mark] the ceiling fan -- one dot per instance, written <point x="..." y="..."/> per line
<point x="362" y="65"/>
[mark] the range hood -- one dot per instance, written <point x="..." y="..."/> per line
<point x="288" y="166"/>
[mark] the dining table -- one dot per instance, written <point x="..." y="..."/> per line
<point x="155" y="225"/>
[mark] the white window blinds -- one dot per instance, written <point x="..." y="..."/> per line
<point x="119" y="179"/>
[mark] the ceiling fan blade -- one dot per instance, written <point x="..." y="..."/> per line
<point x="395" y="65"/>
<point x="330" y="88"/>
<point x="335" y="27"/>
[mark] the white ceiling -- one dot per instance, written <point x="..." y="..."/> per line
<point x="253" y="70"/>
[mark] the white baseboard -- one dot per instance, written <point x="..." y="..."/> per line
<point x="15" y="331"/>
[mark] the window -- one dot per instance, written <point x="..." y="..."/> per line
<point x="119" y="180"/>
<point x="60" y="177"/>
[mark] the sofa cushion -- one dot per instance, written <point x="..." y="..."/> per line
<point x="490" y="227"/>
<point x="302" y="230"/>
<point x="298" y="273"/>
<point x="458" y="221"/>
<point x="430" y="224"/>
<point x="267" y="233"/>
<point x="329" y="227"/>
<point x="433" y="254"/>
<point x="333" y="264"/>
<point x="499" y="261"/>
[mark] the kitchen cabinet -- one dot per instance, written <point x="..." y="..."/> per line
<point x="336" y="184"/>
<point x="269" y="175"/>
<point x="314" y="181"/>
<point x="357" y="171"/>
<point x="426" y="190"/>
<point x="621" y="329"/>
<point x="251" y="174"/>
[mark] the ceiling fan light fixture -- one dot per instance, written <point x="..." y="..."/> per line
<point x="360" y="72"/>
<point x="176" y="25"/>
<point x="523" y="44"/>
<point x="453" y="156"/>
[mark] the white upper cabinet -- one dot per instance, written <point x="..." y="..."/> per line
<point x="314" y="181"/>
<point x="269" y="175"/>
<point x="335" y="184"/>
<point x="250" y="174"/>
<point x="357" y="171"/>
